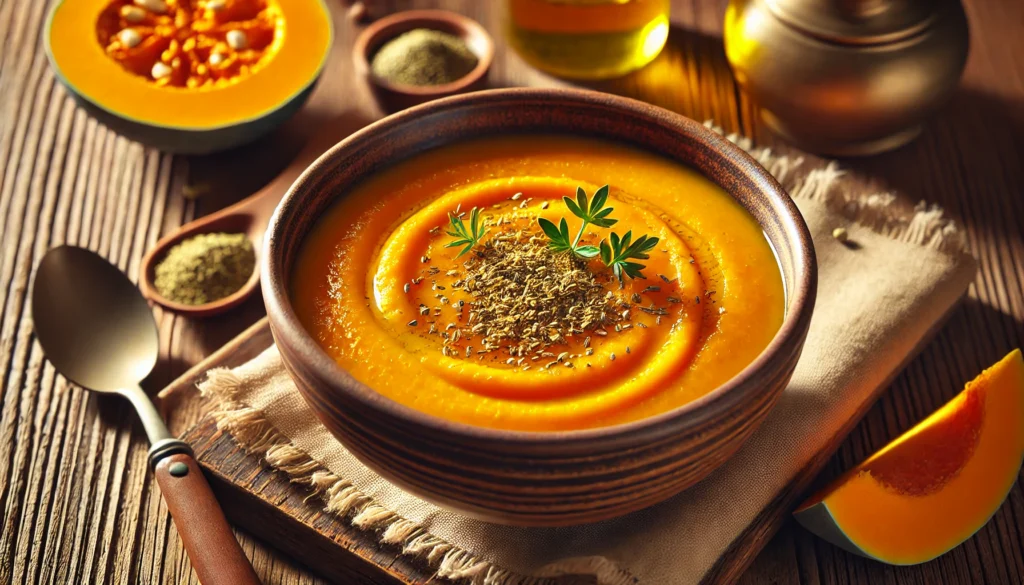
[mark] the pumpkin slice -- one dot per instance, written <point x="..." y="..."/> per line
<point x="191" y="76"/>
<point x="937" y="484"/>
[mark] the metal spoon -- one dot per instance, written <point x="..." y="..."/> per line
<point x="98" y="331"/>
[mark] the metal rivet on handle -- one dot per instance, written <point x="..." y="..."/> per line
<point x="178" y="469"/>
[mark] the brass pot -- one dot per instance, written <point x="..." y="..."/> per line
<point x="846" y="77"/>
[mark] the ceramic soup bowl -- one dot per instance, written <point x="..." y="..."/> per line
<point x="539" y="478"/>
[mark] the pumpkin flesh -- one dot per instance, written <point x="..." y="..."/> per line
<point x="79" y="36"/>
<point x="937" y="484"/>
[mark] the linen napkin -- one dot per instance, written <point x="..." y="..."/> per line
<point x="880" y="295"/>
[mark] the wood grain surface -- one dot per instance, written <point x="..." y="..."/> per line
<point x="77" y="502"/>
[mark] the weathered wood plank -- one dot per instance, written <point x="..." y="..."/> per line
<point x="76" y="503"/>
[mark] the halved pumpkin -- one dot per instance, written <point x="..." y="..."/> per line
<point x="190" y="76"/>
<point x="937" y="484"/>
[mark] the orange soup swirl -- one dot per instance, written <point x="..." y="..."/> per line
<point x="436" y="284"/>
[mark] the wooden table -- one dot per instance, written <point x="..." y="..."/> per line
<point x="77" y="503"/>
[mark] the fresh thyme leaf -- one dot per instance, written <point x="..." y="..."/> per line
<point x="559" y="235"/>
<point x="577" y="210"/>
<point x="465" y="236"/>
<point x="606" y="253"/>
<point x="617" y="253"/>
<point x="600" y="197"/>
<point x="591" y="211"/>
<point x="549" y="228"/>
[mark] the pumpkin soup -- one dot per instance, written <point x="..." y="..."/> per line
<point x="539" y="283"/>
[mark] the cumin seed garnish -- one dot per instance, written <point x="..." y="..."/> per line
<point x="526" y="299"/>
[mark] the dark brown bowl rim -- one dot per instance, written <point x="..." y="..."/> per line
<point x="285" y="322"/>
<point x="383" y="30"/>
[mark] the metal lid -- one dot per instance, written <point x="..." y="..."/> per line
<point x="856" y="22"/>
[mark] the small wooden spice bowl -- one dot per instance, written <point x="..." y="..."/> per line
<point x="397" y="96"/>
<point x="539" y="478"/>
<point x="225" y="221"/>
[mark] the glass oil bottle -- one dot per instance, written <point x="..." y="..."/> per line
<point x="588" y="39"/>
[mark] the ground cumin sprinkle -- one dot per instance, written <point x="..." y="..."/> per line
<point x="517" y="302"/>
<point x="424" y="57"/>
<point x="526" y="299"/>
<point x="205" y="268"/>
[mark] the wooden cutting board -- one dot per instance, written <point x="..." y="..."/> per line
<point x="265" y="503"/>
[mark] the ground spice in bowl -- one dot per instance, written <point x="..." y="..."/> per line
<point x="423" y="57"/>
<point x="205" y="268"/>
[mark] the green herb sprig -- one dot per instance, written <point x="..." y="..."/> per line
<point x="591" y="211"/>
<point x="559" y="235"/>
<point x="617" y="253"/>
<point x="465" y="236"/>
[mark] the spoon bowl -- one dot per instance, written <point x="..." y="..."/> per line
<point x="249" y="216"/>
<point x="92" y="323"/>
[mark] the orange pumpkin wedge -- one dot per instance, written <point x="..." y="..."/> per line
<point x="189" y="76"/>
<point x="937" y="484"/>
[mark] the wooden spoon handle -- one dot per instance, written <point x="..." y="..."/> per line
<point x="211" y="546"/>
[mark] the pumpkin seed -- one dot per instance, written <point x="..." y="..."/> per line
<point x="217" y="59"/>
<point x="237" y="40"/>
<point x="129" y="38"/>
<point x="133" y="14"/>
<point x="161" y="70"/>
<point x="157" y="6"/>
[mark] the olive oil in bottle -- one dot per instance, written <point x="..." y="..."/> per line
<point x="588" y="39"/>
